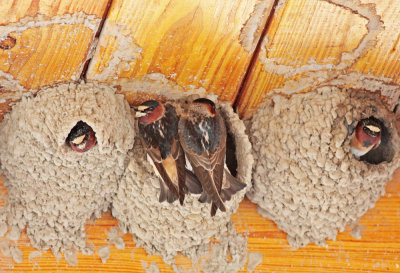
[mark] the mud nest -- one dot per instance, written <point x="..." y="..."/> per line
<point x="164" y="228"/>
<point x="305" y="178"/>
<point x="52" y="189"/>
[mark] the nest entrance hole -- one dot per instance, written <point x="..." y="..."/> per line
<point x="81" y="138"/>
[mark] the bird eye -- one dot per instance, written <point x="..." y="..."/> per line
<point x="81" y="137"/>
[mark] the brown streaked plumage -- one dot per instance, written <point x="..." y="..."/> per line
<point x="158" y="125"/>
<point x="202" y="133"/>
<point x="230" y="185"/>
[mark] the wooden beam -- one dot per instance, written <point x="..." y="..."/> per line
<point x="314" y="41"/>
<point x="44" y="42"/>
<point x="199" y="43"/>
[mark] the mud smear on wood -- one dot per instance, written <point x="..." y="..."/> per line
<point x="252" y="29"/>
<point x="152" y="268"/>
<point x="115" y="239"/>
<point x="104" y="253"/>
<point x="124" y="56"/>
<point x="88" y="21"/>
<point x="11" y="89"/>
<point x="314" y="73"/>
<point x="255" y="258"/>
<point x="228" y="254"/>
<point x="155" y="86"/>
<point x="40" y="21"/>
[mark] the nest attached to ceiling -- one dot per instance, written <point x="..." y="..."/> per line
<point x="305" y="178"/>
<point x="53" y="189"/>
<point x="166" y="228"/>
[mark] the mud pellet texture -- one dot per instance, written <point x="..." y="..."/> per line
<point x="305" y="177"/>
<point x="52" y="189"/>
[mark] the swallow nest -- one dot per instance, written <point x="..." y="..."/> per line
<point x="164" y="228"/>
<point x="305" y="177"/>
<point x="53" y="190"/>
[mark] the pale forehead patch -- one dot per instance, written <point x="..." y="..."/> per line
<point x="142" y="107"/>
<point x="373" y="128"/>
<point x="78" y="140"/>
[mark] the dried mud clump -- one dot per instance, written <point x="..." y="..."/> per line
<point x="52" y="189"/>
<point x="305" y="177"/>
<point x="164" y="228"/>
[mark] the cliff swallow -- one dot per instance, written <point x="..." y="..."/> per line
<point x="367" y="136"/>
<point x="202" y="133"/>
<point x="158" y="130"/>
<point x="81" y="138"/>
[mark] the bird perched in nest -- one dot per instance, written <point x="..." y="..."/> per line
<point x="81" y="138"/>
<point x="158" y="131"/>
<point x="367" y="136"/>
<point x="202" y="133"/>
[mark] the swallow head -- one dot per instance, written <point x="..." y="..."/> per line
<point x="149" y="111"/>
<point x="203" y="107"/>
<point x="367" y="136"/>
<point x="81" y="138"/>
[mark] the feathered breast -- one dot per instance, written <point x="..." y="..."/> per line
<point x="160" y="133"/>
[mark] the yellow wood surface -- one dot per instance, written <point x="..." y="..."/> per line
<point x="377" y="251"/>
<point x="191" y="42"/>
<point x="309" y="42"/>
<point x="53" y="39"/>
<point x="200" y="43"/>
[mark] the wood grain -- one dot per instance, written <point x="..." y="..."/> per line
<point x="313" y="41"/>
<point x="200" y="43"/>
<point x="52" y="42"/>
<point x="377" y="251"/>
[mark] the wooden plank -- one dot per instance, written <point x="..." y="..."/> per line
<point x="48" y="43"/>
<point x="194" y="43"/>
<point x="377" y="251"/>
<point x="313" y="41"/>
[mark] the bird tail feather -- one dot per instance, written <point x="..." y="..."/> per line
<point x="235" y="185"/>
<point x="165" y="194"/>
<point x="192" y="183"/>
